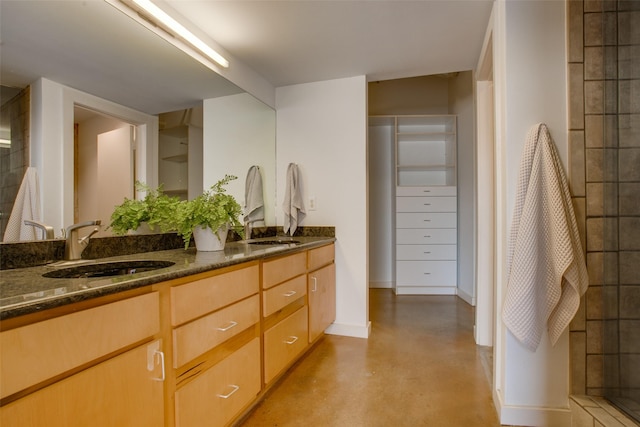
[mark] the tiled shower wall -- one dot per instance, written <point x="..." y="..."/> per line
<point x="14" y="160"/>
<point x="604" y="120"/>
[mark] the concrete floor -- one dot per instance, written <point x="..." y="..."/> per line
<point x="419" y="367"/>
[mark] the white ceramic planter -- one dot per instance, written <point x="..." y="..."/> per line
<point x="143" y="228"/>
<point x="208" y="241"/>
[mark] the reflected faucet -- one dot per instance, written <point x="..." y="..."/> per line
<point x="74" y="246"/>
<point x="47" y="230"/>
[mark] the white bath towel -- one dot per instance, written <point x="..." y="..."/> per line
<point x="293" y="205"/>
<point x="253" y="197"/>
<point x="547" y="273"/>
<point x="26" y="206"/>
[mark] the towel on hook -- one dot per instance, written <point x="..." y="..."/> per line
<point x="547" y="270"/>
<point x="293" y="201"/>
<point x="26" y="206"/>
<point x="253" y="196"/>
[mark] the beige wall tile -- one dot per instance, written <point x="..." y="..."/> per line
<point x="576" y="96"/>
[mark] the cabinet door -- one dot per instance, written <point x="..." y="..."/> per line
<point x="220" y="393"/>
<point x="124" y="391"/>
<point x="322" y="300"/>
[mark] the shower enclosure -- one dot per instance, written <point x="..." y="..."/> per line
<point x="621" y="198"/>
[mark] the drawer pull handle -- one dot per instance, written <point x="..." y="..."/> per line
<point x="292" y="339"/>
<point x="427" y="220"/>
<point x="427" y="237"/>
<point x="426" y="273"/>
<point x="427" y="252"/>
<point x="289" y="294"/>
<point x="315" y="284"/>
<point x="160" y="355"/>
<point x="226" y="396"/>
<point x="426" y="191"/>
<point x="231" y="325"/>
<point x="427" y="204"/>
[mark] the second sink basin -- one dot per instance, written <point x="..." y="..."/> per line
<point x="104" y="269"/>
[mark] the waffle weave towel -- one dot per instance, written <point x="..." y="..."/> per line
<point x="547" y="271"/>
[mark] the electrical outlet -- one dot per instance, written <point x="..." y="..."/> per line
<point x="312" y="203"/>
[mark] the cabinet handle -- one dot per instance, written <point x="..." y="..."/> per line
<point x="426" y="220"/>
<point x="231" y="325"/>
<point x="160" y="355"/>
<point x="427" y="252"/>
<point x="289" y="294"/>
<point x="427" y="204"/>
<point x="426" y="191"/>
<point x="226" y="396"/>
<point x="427" y="237"/>
<point x="315" y="283"/>
<point x="426" y="273"/>
<point x="292" y="340"/>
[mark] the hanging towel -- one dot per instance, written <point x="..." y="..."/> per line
<point x="293" y="201"/>
<point x="547" y="271"/>
<point x="26" y="206"/>
<point x="253" y="196"/>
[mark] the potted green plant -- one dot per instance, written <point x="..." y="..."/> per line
<point x="156" y="210"/>
<point x="209" y="216"/>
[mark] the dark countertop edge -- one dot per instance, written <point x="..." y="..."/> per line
<point x="148" y="279"/>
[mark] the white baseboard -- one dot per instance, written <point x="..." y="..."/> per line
<point x="532" y="416"/>
<point x="466" y="297"/>
<point x="426" y="290"/>
<point x="381" y="285"/>
<point x="349" y="330"/>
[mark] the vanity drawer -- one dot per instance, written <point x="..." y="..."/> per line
<point x="284" y="342"/>
<point x="436" y="273"/>
<point x="221" y="392"/>
<point x="203" y="296"/>
<point x="277" y="297"/>
<point x="426" y="252"/>
<point x="442" y="190"/>
<point x="40" y="351"/>
<point x="426" y="236"/>
<point x="426" y="220"/>
<point x="320" y="256"/>
<point x="281" y="269"/>
<point x="201" y="335"/>
<point x="426" y="204"/>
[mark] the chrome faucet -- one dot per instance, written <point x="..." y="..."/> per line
<point x="47" y="230"/>
<point x="74" y="246"/>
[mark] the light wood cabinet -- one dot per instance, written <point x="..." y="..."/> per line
<point x="198" y="350"/>
<point x="321" y="289"/>
<point x="79" y="368"/>
<point x="119" y="392"/>
<point x="284" y="342"/>
<point x="216" y="346"/>
<point x="220" y="393"/>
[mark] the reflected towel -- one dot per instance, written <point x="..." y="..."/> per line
<point x="253" y="196"/>
<point x="547" y="273"/>
<point x="293" y="201"/>
<point x="26" y="206"/>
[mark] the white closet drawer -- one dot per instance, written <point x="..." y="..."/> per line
<point x="426" y="220"/>
<point x="443" y="190"/>
<point x="437" y="273"/>
<point x="426" y="252"/>
<point x="426" y="236"/>
<point x="426" y="204"/>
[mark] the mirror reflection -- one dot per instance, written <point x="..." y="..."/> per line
<point x="186" y="148"/>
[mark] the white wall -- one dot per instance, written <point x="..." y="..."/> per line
<point x="239" y="132"/>
<point x="322" y="126"/>
<point x="461" y="103"/>
<point x="530" y="80"/>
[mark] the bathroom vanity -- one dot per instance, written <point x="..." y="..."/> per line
<point x="196" y="343"/>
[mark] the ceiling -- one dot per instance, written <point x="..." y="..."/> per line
<point x="91" y="46"/>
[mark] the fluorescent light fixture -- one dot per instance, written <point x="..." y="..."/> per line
<point x="202" y="52"/>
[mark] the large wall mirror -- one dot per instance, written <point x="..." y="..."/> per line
<point x="78" y="91"/>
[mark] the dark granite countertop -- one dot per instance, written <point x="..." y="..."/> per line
<point x="25" y="290"/>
